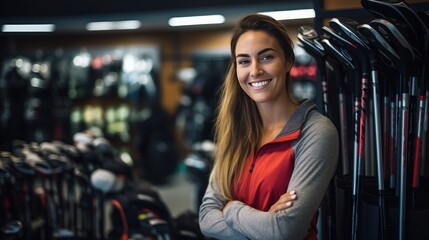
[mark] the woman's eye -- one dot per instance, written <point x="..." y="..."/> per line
<point x="266" y="58"/>
<point x="242" y="61"/>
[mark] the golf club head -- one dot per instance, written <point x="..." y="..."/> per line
<point x="62" y="161"/>
<point x="397" y="41"/>
<point x="69" y="151"/>
<point x="386" y="53"/>
<point x="5" y="157"/>
<point x="87" y="153"/>
<point x="12" y="228"/>
<point x="17" y="147"/>
<point x="48" y="148"/>
<point x="359" y="57"/>
<point x="343" y="58"/>
<point x="340" y="55"/>
<point x="310" y="41"/>
<point x="22" y="169"/>
<point x="103" y="149"/>
<point x="347" y="28"/>
<point x="43" y="168"/>
<point x="401" y="12"/>
<point x="57" y="166"/>
<point x="16" y="166"/>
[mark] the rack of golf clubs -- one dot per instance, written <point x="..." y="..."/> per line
<point x="374" y="79"/>
<point x="54" y="190"/>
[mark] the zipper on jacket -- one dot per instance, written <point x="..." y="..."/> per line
<point x="255" y="156"/>
<point x="252" y="166"/>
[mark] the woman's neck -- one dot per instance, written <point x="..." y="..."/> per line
<point x="277" y="113"/>
<point x="274" y="117"/>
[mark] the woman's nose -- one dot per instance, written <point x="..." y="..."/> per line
<point x="256" y="70"/>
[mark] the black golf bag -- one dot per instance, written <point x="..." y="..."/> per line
<point x="139" y="213"/>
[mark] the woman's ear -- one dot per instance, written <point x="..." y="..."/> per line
<point x="289" y="65"/>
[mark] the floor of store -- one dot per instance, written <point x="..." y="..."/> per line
<point x="178" y="193"/>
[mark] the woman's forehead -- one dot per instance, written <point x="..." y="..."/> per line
<point x="254" y="41"/>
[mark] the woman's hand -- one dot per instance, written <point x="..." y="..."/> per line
<point x="284" y="202"/>
<point x="226" y="205"/>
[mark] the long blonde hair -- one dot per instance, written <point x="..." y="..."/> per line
<point x="238" y="124"/>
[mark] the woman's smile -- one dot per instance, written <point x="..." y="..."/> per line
<point x="259" y="84"/>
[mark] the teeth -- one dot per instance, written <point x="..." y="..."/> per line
<point x="258" y="84"/>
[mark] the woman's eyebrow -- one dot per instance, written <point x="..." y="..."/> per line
<point x="259" y="53"/>
<point x="242" y="55"/>
<point x="265" y="50"/>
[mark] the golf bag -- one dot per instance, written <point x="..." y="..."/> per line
<point x="186" y="227"/>
<point x="139" y="213"/>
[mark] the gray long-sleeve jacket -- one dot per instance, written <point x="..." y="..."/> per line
<point x="316" y="156"/>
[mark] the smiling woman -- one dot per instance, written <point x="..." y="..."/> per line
<point x="274" y="156"/>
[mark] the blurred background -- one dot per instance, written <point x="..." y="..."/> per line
<point x="137" y="74"/>
<point x="125" y="70"/>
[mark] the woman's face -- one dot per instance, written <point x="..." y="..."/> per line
<point x="261" y="66"/>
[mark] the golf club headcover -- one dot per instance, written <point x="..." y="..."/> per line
<point x="106" y="182"/>
<point x="81" y="137"/>
<point x="48" y="148"/>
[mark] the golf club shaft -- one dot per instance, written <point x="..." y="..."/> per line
<point x="361" y="108"/>
<point x="356" y="172"/>
<point x="379" y="153"/>
<point x="403" y="165"/>
<point x="418" y="141"/>
<point x="425" y="132"/>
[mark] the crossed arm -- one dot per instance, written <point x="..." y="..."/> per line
<point x="217" y="220"/>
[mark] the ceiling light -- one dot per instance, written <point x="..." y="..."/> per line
<point x="196" y="20"/>
<point x="28" y="28"/>
<point x="291" y="14"/>
<point x="118" y="25"/>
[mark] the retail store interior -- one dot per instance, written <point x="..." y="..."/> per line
<point x="107" y="111"/>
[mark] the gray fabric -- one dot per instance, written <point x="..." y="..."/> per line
<point x="316" y="156"/>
